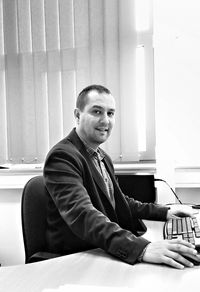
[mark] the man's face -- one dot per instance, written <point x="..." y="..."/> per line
<point x="95" y="122"/>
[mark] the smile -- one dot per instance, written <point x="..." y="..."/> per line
<point x="102" y="129"/>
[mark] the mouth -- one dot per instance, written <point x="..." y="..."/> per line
<point x="102" y="130"/>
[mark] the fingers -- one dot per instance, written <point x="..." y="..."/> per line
<point x="182" y="247"/>
<point x="194" y="258"/>
<point x="180" y="211"/>
<point x="180" y="242"/>
<point x="176" y="260"/>
<point x="175" y="253"/>
<point x="180" y="261"/>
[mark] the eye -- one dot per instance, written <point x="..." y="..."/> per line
<point x="111" y="114"/>
<point x="96" y="112"/>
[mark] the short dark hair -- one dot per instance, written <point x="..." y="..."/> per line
<point x="82" y="97"/>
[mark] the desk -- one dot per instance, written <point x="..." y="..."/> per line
<point x="96" y="268"/>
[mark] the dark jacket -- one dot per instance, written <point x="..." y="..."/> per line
<point x="80" y="215"/>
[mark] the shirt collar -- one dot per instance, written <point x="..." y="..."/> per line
<point x="93" y="153"/>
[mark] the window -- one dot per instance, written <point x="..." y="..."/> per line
<point x="50" y="50"/>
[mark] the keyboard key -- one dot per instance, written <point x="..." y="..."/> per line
<point x="179" y="226"/>
<point x="174" y="227"/>
<point x="188" y="222"/>
<point x="184" y="224"/>
<point x="197" y="234"/>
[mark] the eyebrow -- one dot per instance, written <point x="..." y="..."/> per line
<point x="100" y="107"/>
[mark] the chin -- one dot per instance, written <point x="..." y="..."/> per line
<point x="103" y="140"/>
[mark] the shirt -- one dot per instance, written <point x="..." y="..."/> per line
<point x="97" y="159"/>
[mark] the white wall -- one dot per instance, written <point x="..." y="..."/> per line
<point x="177" y="80"/>
<point x="189" y="195"/>
<point x="177" y="89"/>
<point x="11" y="240"/>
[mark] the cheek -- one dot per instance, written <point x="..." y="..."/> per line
<point x="112" y="123"/>
<point x="87" y="124"/>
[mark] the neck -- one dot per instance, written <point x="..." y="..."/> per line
<point x="94" y="147"/>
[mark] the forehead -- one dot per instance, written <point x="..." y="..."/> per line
<point x="100" y="99"/>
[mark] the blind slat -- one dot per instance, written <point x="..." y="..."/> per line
<point x="3" y="123"/>
<point x="24" y="26"/>
<point x="81" y="30"/>
<point x="10" y="26"/>
<point x="27" y="105"/>
<point x="41" y="105"/>
<point x="129" y="142"/>
<point x="14" y="107"/>
<point x="3" y="118"/>
<point x="38" y="26"/>
<point x="1" y="29"/>
<point x="81" y="25"/>
<point x="54" y="97"/>
<point x="66" y="24"/>
<point x="69" y="100"/>
<point x="52" y="25"/>
<point x="112" y="76"/>
<point x="96" y="27"/>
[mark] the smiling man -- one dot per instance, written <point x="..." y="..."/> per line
<point x="87" y="208"/>
<point x="95" y="115"/>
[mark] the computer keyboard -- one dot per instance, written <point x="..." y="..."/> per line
<point x="187" y="228"/>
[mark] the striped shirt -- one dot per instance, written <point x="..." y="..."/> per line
<point x="97" y="158"/>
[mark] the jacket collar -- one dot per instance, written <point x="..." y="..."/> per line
<point x="74" y="138"/>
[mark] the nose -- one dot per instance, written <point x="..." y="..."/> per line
<point x="105" y="119"/>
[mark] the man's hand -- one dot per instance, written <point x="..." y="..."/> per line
<point x="176" y="211"/>
<point x="171" y="252"/>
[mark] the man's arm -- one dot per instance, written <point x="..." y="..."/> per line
<point x="65" y="176"/>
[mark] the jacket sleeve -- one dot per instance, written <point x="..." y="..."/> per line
<point x="141" y="210"/>
<point x="149" y="211"/>
<point x="64" y="175"/>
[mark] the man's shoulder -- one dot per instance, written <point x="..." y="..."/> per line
<point x="71" y="141"/>
<point x="65" y="145"/>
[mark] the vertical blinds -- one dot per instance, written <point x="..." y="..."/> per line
<point x="49" y="51"/>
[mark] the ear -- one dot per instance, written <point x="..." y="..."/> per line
<point x="77" y="114"/>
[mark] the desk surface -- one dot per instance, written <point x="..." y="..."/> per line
<point x="96" y="268"/>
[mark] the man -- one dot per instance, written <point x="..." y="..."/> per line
<point x="87" y="209"/>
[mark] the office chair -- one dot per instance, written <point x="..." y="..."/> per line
<point x="140" y="187"/>
<point x="33" y="214"/>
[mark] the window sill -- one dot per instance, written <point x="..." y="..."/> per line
<point x="16" y="176"/>
<point x="135" y="168"/>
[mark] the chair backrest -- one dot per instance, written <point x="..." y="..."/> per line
<point x="140" y="187"/>
<point x="33" y="211"/>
